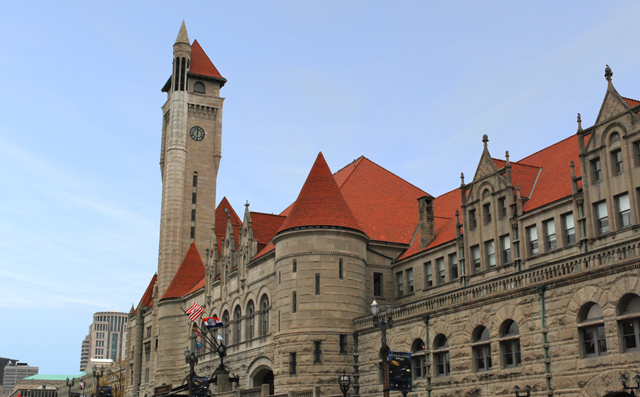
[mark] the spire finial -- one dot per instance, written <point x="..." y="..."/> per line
<point x="462" y="178"/>
<point x="457" y="217"/>
<point x="183" y="37"/>
<point x="247" y="204"/>
<point x="573" y="169"/>
<point x="579" y="122"/>
<point x="608" y="73"/>
<point x="506" y="155"/>
<point x="485" y="140"/>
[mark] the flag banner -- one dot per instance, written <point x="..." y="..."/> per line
<point x="197" y="332"/>
<point x="194" y="311"/>
<point x="82" y="385"/>
<point x="212" y="322"/>
<point x="220" y="337"/>
<point x="198" y="345"/>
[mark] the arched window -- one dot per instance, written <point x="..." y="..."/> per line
<point x="237" y="325"/>
<point x="418" y="359"/>
<point x="264" y="315"/>
<point x="441" y="355"/>
<point x="481" y="349"/>
<point x="629" y="322"/>
<point x="199" y="87"/>
<point x="510" y="344"/>
<point x="251" y="320"/>
<point x="225" y="327"/>
<point x="592" y="337"/>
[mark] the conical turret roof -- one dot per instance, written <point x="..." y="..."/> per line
<point x="183" y="37"/>
<point x="190" y="272"/>
<point x="320" y="202"/>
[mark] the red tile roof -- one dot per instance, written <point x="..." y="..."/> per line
<point x="320" y="202"/>
<point x="384" y="204"/>
<point x="190" y="272"/>
<point x="521" y="174"/>
<point x="631" y="102"/>
<point x="268" y="248"/>
<point x="265" y="226"/>
<point x="201" y="64"/>
<point x="221" y="224"/>
<point x="554" y="181"/>
<point x="147" y="297"/>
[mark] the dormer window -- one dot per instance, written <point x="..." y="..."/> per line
<point x="199" y="87"/>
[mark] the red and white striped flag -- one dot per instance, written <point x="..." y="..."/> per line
<point x="194" y="311"/>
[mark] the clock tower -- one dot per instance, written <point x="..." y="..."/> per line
<point x="189" y="155"/>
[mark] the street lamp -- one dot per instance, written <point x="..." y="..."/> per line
<point x="344" y="380"/>
<point x="517" y="390"/>
<point x="385" y="323"/>
<point x="623" y="379"/>
<point x="98" y="374"/>
<point x="70" y="384"/>
<point x="191" y="358"/>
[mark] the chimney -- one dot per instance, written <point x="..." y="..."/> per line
<point x="426" y="221"/>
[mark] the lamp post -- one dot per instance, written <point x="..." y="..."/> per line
<point x="344" y="381"/>
<point x="191" y="358"/>
<point x="98" y="374"/>
<point x="517" y="391"/>
<point x="70" y="384"/>
<point x="623" y="379"/>
<point x="385" y="323"/>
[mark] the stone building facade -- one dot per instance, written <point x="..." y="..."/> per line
<point x="527" y="274"/>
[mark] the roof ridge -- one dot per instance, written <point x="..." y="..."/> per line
<point x="361" y="156"/>
<point x="389" y="172"/>
<point x="359" y="160"/>
<point x="534" y="153"/>
<point x="265" y="213"/>
<point x="624" y="97"/>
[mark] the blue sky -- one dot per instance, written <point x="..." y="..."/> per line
<point x="412" y="85"/>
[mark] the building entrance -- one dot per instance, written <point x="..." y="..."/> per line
<point x="264" y="377"/>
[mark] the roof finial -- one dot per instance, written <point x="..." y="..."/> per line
<point x="506" y="155"/>
<point x="579" y="122"/>
<point x="573" y="169"/>
<point x="247" y="203"/>
<point x="462" y="178"/>
<point x="457" y="217"/>
<point x="183" y="37"/>
<point x="485" y="140"/>
<point x="608" y="73"/>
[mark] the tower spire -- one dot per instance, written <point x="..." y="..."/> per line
<point x="183" y="36"/>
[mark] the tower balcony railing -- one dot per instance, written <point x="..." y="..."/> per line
<point x="614" y="257"/>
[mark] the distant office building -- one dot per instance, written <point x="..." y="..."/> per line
<point x="106" y="339"/>
<point x="3" y="363"/>
<point x="13" y="372"/>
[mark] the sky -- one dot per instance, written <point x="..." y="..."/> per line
<point x="411" y="85"/>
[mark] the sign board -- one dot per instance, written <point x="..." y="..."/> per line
<point x="162" y="389"/>
<point x="400" y="371"/>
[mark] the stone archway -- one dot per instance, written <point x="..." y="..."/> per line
<point x="605" y="384"/>
<point x="263" y="376"/>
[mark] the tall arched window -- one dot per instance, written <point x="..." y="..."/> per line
<point x="237" y="325"/>
<point x="199" y="87"/>
<point x="481" y="349"/>
<point x="251" y="320"/>
<point x="592" y="337"/>
<point x="510" y="344"/>
<point x="264" y="315"/>
<point x="418" y="359"/>
<point x="225" y="327"/>
<point x="441" y="355"/>
<point x="629" y="322"/>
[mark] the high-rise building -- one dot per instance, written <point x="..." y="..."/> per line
<point x="524" y="274"/>
<point x="106" y="338"/>
<point x="13" y="372"/>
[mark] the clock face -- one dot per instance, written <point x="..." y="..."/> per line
<point x="197" y="133"/>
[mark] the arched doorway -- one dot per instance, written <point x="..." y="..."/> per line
<point x="264" y="377"/>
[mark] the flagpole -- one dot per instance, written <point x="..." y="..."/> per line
<point x="212" y="342"/>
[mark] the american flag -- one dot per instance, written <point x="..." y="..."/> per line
<point x="194" y="311"/>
